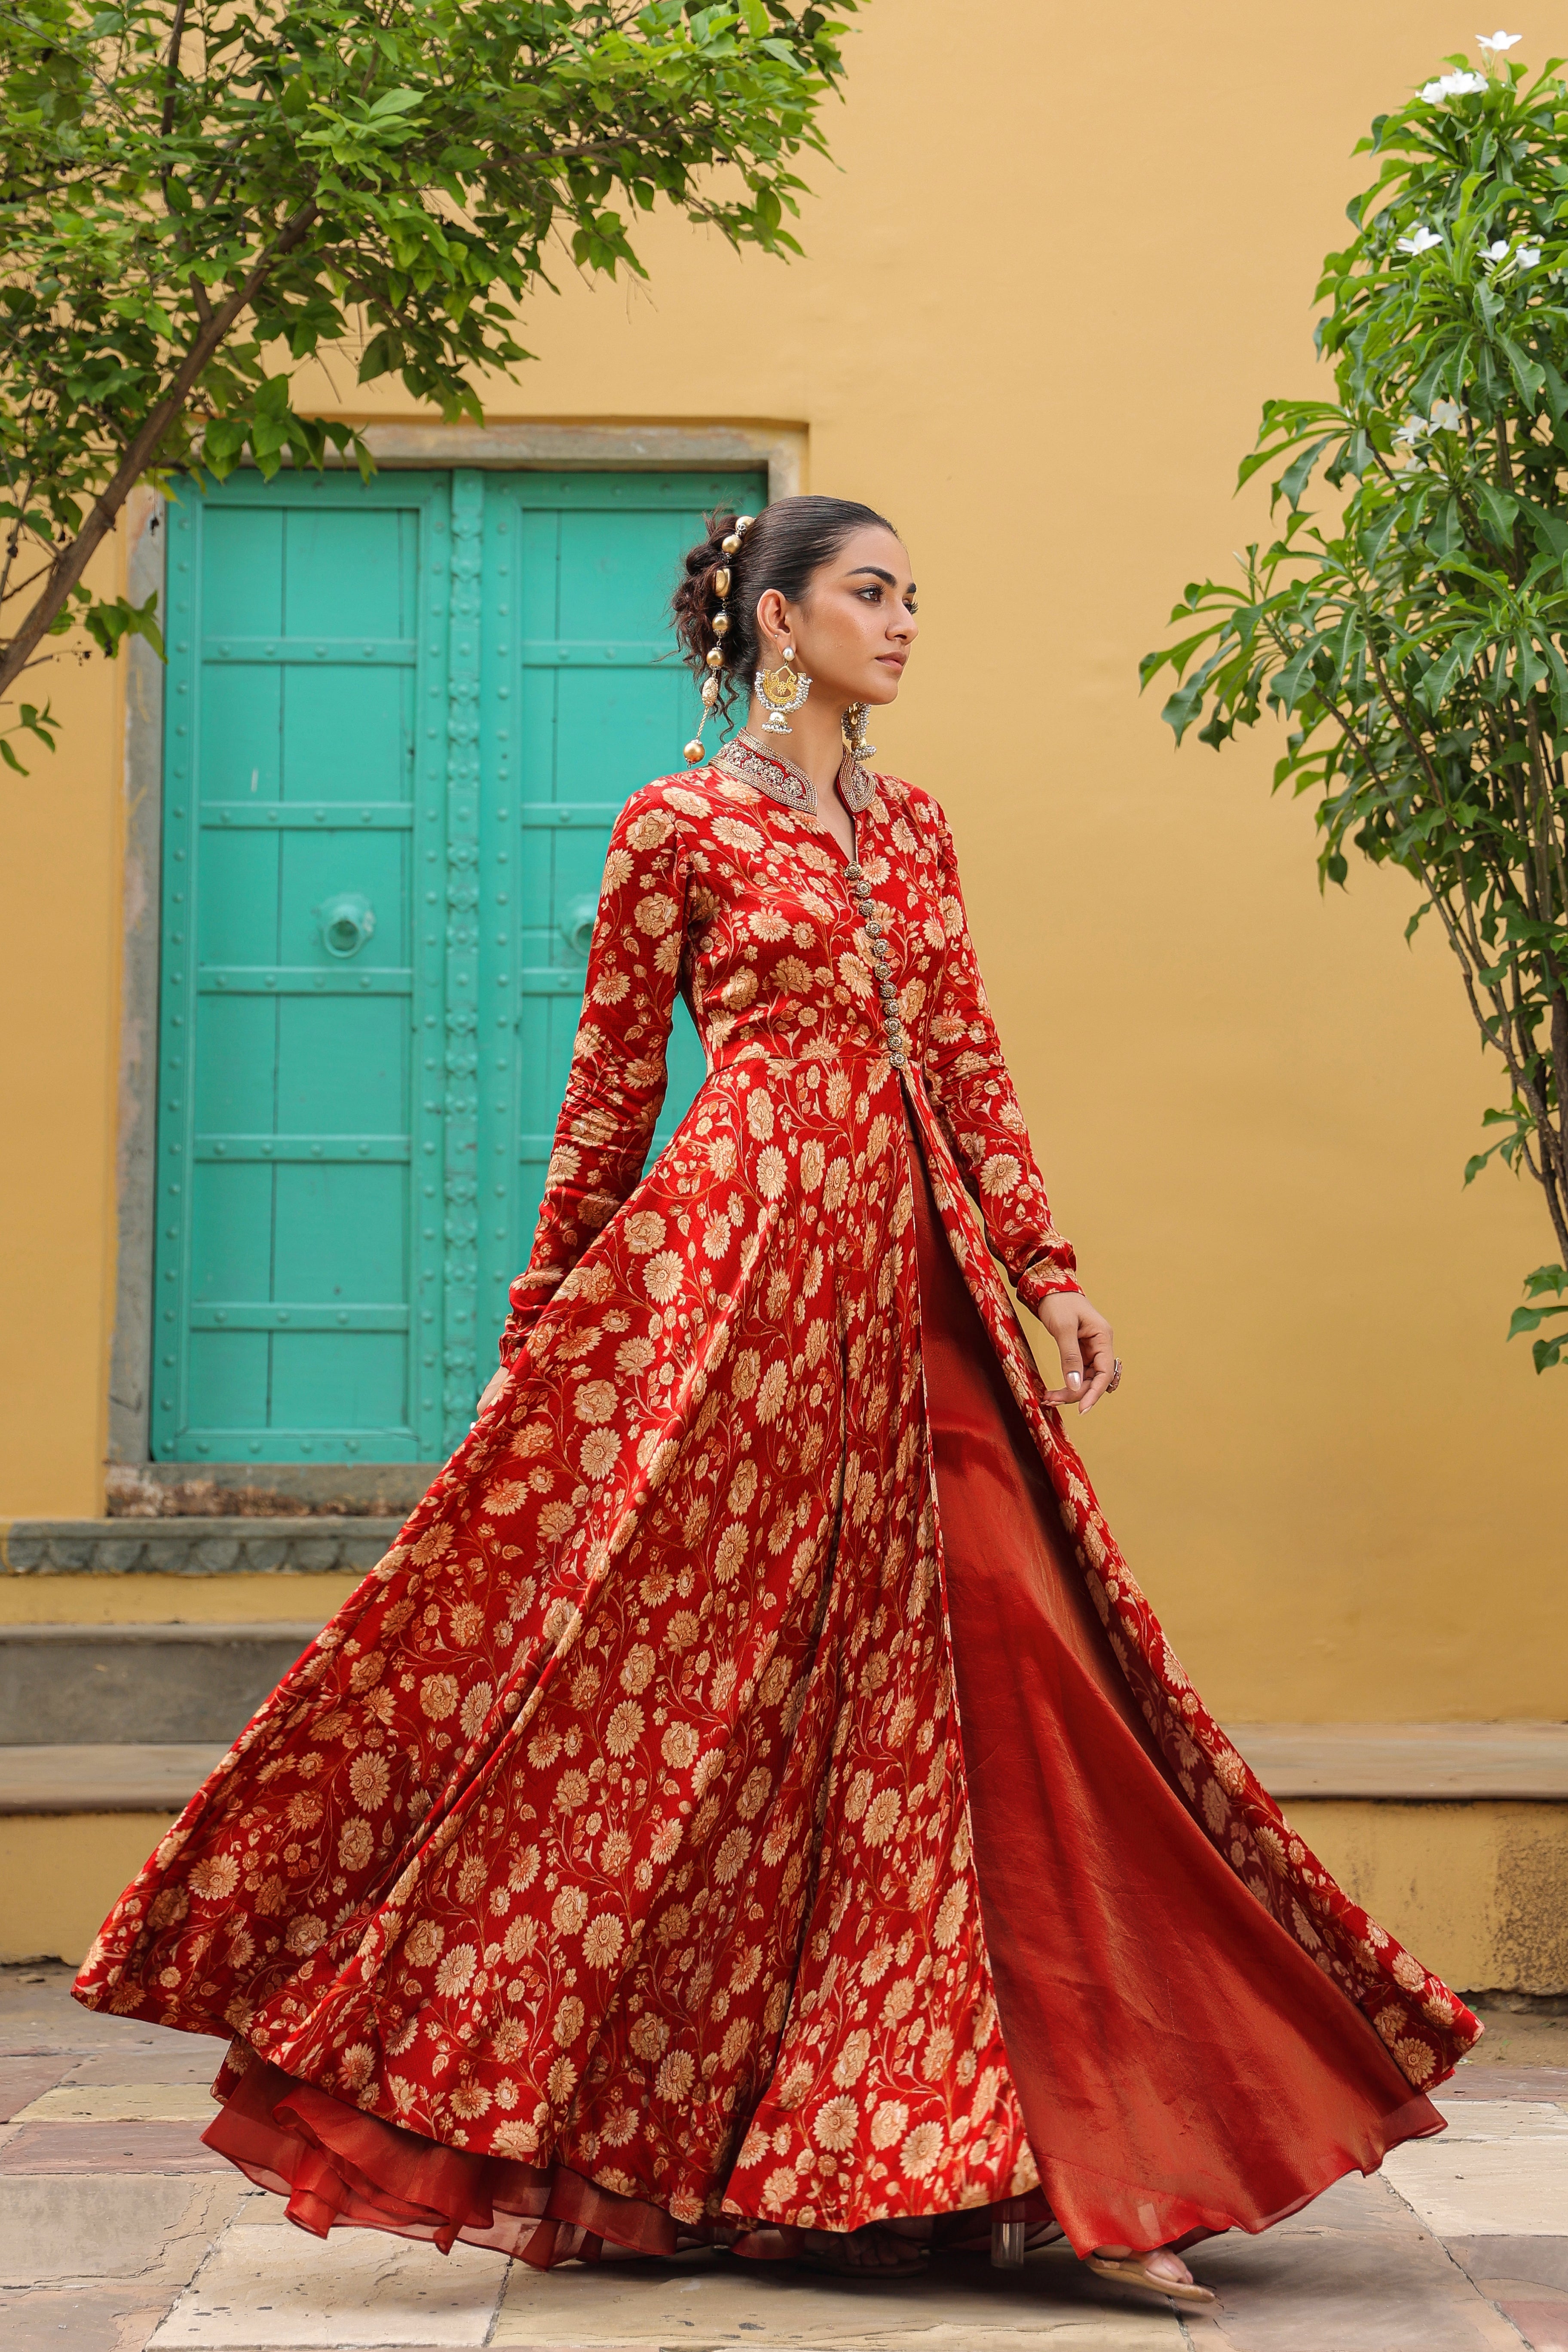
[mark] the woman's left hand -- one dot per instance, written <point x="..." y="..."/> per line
<point x="1083" y="1338"/>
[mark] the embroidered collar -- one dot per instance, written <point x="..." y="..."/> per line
<point x="744" y="756"/>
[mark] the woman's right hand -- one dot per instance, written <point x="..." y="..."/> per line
<point x="1083" y="1338"/>
<point x="490" y="1391"/>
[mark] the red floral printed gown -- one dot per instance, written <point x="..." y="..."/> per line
<point x="754" y="1789"/>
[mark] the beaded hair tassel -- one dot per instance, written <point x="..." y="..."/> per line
<point x="729" y="545"/>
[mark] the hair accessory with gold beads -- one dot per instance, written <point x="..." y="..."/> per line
<point x="729" y="545"/>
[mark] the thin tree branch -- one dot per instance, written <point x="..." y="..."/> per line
<point x="171" y="71"/>
<point x="73" y="561"/>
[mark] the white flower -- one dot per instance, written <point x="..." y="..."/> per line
<point x="1453" y="84"/>
<point x="1497" y="253"/>
<point x="1414" y="429"/>
<point x="1499" y="40"/>
<point x="1422" y="241"/>
<point x="1446" y="416"/>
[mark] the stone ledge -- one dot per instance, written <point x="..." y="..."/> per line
<point x="196" y="1547"/>
<point x="99" y="1779"/>
<point x="1410" y="1763"/>
<point x="84" y="1777"/>
<point x="247" y="1634"/>
<point x="182" y="1490"/>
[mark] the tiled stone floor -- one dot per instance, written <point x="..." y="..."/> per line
<point x="119" y="2232"/>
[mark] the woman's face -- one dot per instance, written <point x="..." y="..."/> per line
<point x="853" y="629"/>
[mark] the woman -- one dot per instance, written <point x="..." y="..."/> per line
<point x="752" y="1802"/>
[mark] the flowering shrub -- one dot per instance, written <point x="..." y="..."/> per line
<point x="1415" y="636"/>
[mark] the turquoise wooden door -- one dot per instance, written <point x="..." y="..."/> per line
<point x="298" y="1256"/>
<point x="585" y="701"/>
<point x="400" y="718"/>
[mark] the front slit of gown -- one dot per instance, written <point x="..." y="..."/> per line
<point x="1166" y="2093"/>
<point x="1181" y="2065"/>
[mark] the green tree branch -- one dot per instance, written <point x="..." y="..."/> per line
<point x="1415" y="641"/>
<point x="199" y="194"/>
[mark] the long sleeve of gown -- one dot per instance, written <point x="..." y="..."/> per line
<point x="615" y="1086"/>
<point x="978" y="1108"/>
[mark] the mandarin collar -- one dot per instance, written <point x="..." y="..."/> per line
<point x="755" y="764"/>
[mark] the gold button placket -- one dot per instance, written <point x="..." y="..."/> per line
<point x="867" y="909"/>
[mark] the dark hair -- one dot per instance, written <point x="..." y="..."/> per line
<point x="789" y="542"/>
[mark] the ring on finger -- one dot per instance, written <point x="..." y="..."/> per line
<point x="1115" y="1380"/>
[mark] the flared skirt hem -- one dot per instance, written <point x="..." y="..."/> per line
<point x="337" y="2166"/>
<point x="340" y="2168"/>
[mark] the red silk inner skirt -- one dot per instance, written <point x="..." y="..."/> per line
<point x="1181" y="2065"/>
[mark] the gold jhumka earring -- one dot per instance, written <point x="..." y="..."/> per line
<point x="782" y="690"/>
<point x="729" y="545"/>
<point x="854" y="732"/>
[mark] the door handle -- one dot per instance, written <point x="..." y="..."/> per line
<point x="576" y="925"/>
<point x="346" y="921"/>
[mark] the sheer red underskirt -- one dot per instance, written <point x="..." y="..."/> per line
<point x="1181" y="2065"/>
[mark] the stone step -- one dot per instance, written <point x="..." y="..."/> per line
<point x="1360" y="1763"/>
<point x="132" y="1685"/>
<point x="91" y="1779"/>
<point x="193" y="1547"/>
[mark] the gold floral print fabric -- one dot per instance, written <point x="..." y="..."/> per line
<point x="618" y="1820"/>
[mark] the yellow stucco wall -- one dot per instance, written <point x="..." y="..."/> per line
<point x="62" y="844"/>
<point x="61" y="1873"/>
<point x="1480" y="1890"/>
<point x="1475" y="1889"/>
<point x="1063" y="260"/>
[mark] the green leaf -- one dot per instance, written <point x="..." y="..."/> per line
<point x="1445" y="535"/>
<point x="1498" y="509"/>
<point x="1355" y="457"/>
<point x="1296" y="477"/>
<point x="1182" y="709"/>
<point x="1529" y="378"/>
<point x="1549" y="530"/>
<point x="108" y="621"/>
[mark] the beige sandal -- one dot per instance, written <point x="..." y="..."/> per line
<point x="1128" y="2271"/>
